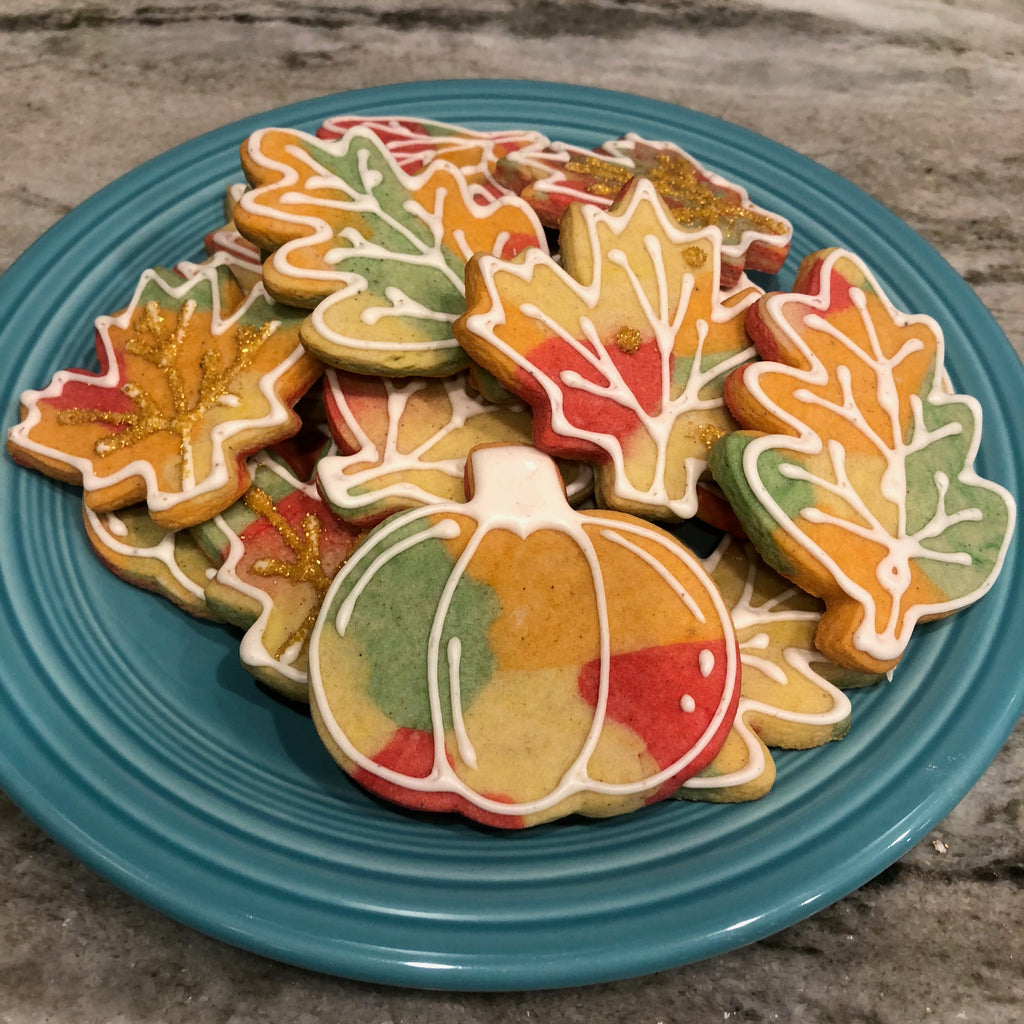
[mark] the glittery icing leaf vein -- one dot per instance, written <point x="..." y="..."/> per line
<point x="162" y="343"/>
<point x="307" y="566"/>
<point x="692" y="201"/>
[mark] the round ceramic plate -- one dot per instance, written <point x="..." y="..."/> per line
<point x="130" y="733"/>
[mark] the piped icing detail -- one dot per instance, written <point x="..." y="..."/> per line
<point x="789" y="695"/>
<point x="416" y="142"/>
<point x="622" y="352"/>
<point x="550" y="180"/>
<point x="862" y="486"/>
<point x="168" y="562"/>
<point x="404" y="442"/>
<point x="516" y="491"/>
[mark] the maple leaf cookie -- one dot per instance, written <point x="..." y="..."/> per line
<point x="515" y="660"/>
<point x="377" y="254"/>
<point x="854" y="475"/>
<point x="404" y="442"/>
<point x="194" y="376"/>
<point x="415" y="142"/>
<point x="791" y="696"/>
<point x="551" y="179"/>
<point x="277" y="548"/>
<point x="621" y="349"/>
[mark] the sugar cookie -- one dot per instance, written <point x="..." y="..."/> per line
<point x="621" y="349"/>
<point x="194" y="376"/>
<point x="791" y="696"/>
<point x="166" y="562"/>
<point x="404" y="442"/>
<point x="378" y="255"/>
<point x="752" y="238"/>
<point x="514" y="660"/>
<point x="855" y="474"/>
<point x="415" y="142"/>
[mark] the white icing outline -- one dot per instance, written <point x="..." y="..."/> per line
<point x="159" y="500"/>
<point x="519" y="490"/>
<point x="664" y="322"/>
<point x="893" y="573"/>
<point x="473" y="197"/>
<point x="744" y="615"/>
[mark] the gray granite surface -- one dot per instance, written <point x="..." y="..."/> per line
<point x="920" y="102"/>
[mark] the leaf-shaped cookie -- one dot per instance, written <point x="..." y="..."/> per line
<point x="244" y="258"/>
<point x="790" y="694"/>
<point x="278" y="549"/>
<point x="166" y="562"/>
<point x="227" y="244"/>
<point x="415" y="142"/>
<point x="621" y="349"/>
<point x="551" y="179"/>
<point x="855" y="477"/>
<point x="406" y="442"/>
<point x="378" y="254"/>
<point x="193" y="378"/>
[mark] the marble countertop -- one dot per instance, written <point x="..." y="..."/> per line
<point x="919" y="103"/>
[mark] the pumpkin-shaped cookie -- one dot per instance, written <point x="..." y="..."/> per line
<point x="515" y="660"/>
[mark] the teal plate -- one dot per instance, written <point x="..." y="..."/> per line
<point x="131" y="734"/>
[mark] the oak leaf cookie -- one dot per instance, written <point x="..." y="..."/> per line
<point x="403" y="442"/>
<point x="514" y="660"/>
<point x="791" y="695"/>
<point x="752" y="238"/>
<point x="194" y="377"/>
<point x="621" y="349"/>
<point x="855" y="474"/>
<point x="378" y="255"/>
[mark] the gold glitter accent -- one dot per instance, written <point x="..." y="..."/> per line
<point x="306" y="568"/>
<point x="706" y="434"/>
<point x="695" y="256"/>
<point x="628" y="339"/>
<point x="162" y="344"/>
<point x="608" y="178"/>
<point x="694" y="203"/>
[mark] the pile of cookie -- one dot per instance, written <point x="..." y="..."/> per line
<point x="429" y="426"/>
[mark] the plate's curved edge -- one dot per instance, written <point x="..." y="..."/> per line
<point x="889" y="846"/>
